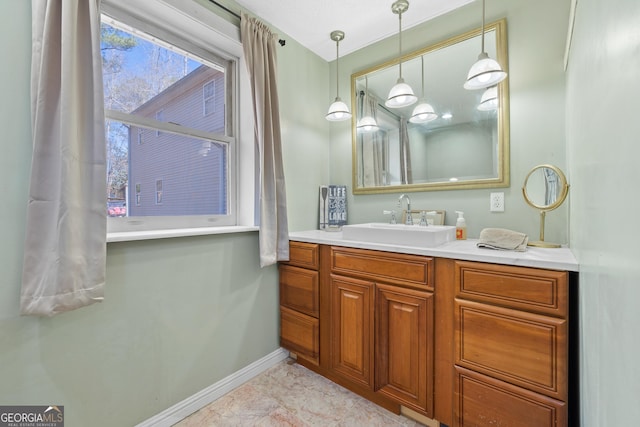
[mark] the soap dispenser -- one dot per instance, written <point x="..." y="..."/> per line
<point x="461" y="226"/>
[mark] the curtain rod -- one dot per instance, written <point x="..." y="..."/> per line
<point x="226" y="9"/>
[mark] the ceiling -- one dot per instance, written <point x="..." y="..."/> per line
<point x="364" y="22"/>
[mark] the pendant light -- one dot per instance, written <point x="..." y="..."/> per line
<point x="486" y="71"/>
<point x="338" y="111"/>
<point x="423" y="112"/>
<point x="489" y="100"/>
<point x="367" y="123"/>
<point x="401" y="95"/>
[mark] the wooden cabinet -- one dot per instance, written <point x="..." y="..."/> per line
<point x="470" y="344"/>
<point x="382" y="324"/>
<point x="511" y="345"/>
<point x="300" y="302"/>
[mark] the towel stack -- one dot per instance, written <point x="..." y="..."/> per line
<point x="503" y="239"/>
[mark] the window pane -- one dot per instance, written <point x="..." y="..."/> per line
<point x="156" y="169"/>
<point x="148" y="80"/>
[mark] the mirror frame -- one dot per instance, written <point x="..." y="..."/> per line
<point x="503" y="126"/>
<point x="564" y="189"/>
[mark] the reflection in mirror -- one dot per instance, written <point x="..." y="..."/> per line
<point x="462" y="147"/>
<point x="545" y="188"/>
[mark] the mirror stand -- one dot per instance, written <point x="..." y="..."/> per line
<point x="541" y="243"/>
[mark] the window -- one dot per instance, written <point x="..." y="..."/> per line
<point x="158" y="192"/>
<point x="209" y="98"/>
<point x="138" y="195"/>
<point x="157" y="87"/>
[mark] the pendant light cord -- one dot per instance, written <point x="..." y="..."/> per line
<point x="337" y="67"/>
<point x="482" y="38"/>
<point x="422" y="62"/>
<point x="400" y="42"/>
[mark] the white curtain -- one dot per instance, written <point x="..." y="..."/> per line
<point x="374" y="146"/>
<point x="406" y="175"/>
<point x="259" y="45"/>
<point x="550" y="185"/>
<point x="65" y="243"/>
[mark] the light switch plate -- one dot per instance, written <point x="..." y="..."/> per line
<point x="496" y="201"/>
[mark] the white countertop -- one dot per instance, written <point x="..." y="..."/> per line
<point x="552" y="258"/>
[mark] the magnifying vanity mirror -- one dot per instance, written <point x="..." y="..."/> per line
<point x="545" y="188"/>
<point x="463" y="147"/>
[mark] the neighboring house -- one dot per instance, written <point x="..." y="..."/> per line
<point x="171" y="174"/>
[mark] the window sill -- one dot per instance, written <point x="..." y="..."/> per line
<point x="129" y="236"/>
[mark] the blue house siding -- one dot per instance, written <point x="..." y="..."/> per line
<point x="192" y="183"/>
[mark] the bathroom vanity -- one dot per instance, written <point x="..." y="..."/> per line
<point x="465" y="336"/>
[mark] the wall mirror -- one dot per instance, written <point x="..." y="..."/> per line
<point x="462" y="148"/>
<point x="545" y="188"/>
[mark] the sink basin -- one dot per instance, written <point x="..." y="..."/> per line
<point x="400" y="234"/>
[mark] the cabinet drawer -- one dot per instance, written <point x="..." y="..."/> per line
<point x="530" y="289"/>
<point x="304" y="255"/>
<point x="525" y="349"/>
<point x="299" y="289"/>
<point x="299" y="333"/>
<point x="484" y="401"/>
<point x="408" y="270"/>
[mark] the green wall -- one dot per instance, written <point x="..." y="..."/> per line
<point x="179" y="314"/>
<point x="603" y="152"/>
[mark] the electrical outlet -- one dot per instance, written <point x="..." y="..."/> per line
<point x="496" y="201"/>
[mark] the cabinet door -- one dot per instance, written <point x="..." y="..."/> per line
<point x="404" y="346"/>
<point x="352" y="329"/>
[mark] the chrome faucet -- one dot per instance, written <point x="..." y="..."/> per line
<point x="393" y="216"/>
<point x="409" y="219"/>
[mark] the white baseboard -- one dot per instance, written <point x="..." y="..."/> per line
<point x="183" y="409"/>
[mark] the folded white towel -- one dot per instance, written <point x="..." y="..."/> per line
<point x="503" y="239"/>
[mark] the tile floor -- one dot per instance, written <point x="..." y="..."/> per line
<point x="291" y="395"/>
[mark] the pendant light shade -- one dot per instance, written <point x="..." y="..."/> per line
<point x="366" y="123"/>
<point x="338" y="110"/>
<point x="485" y="72"/>
<point x="400" y="95"/>
<point x="423" y="112"/>
<point x="489" y="100"/>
